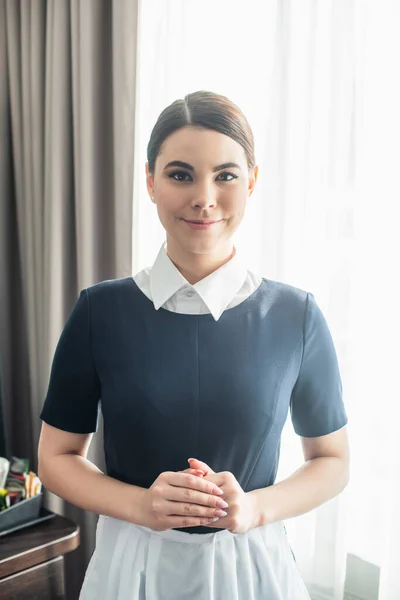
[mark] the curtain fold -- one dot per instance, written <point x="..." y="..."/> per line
<point x="67" y="106"/>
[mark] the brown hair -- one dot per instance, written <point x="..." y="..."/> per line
<point x="202" y="109"/>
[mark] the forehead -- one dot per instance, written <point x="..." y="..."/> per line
<point x="206" y="146"/>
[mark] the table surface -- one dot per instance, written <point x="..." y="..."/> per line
<point x="36" y="544"/>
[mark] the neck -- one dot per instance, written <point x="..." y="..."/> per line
<point x="195" y="267"/>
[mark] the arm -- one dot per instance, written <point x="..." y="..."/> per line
<point x="65" y="471"/>
<point x="324" y="475"/>
<point x="70" y="411"/>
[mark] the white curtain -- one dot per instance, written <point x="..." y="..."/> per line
<point x="319" y="84"/>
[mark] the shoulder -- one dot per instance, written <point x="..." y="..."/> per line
<point x="285" y="294"/>
<point x="110" y="291"/>
<point x="284" y="305"/>
<point x="109" y="286"/>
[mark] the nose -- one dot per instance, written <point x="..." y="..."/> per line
<point x="204" y="200"/>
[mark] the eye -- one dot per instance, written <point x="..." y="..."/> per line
<point x="177" y="174"/>
<point x="230" y="175"/>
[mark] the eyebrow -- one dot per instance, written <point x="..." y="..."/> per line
<point x="179" y="163"/>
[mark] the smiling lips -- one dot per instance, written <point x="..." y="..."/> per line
<point x="201" y="224"/>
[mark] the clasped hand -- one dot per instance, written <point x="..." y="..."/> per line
<point x="241" y="509"/>
<point x="175" y="501"/>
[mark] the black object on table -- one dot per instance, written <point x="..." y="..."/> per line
<point x="24" y="513"/>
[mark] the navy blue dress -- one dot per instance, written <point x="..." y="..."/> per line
<point x="171" y="386"/>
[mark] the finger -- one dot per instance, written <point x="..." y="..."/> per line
<point x="225" y="480"/>
<point x="191" y="497"/>
<point x="198" y="464"/>
<point x="221" y="523"/>
<point x="192" y="510"/>
<point x="176" y="521"/>
<point x="219" y="479"/>
<point x="186" y="480"/>
<point x="197" y="472"/>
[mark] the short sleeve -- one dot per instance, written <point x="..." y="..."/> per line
<point x="72" y="400"/>
<point x="316" y="402"/>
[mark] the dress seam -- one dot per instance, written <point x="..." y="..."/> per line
<point x="90" y="335"/>
<point x="274" y="414"/>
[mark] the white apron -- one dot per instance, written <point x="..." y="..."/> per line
<point x="131" y="562"/>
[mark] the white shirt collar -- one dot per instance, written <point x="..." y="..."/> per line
<point x="216" y="290"/>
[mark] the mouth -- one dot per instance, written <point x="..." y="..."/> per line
<point x="201" y="223"/>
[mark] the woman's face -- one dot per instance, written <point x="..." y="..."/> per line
<point x="211" y="183"/>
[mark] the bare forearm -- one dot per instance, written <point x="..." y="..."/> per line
<point x="316" y="482"/>
<point x="81" y="483"/>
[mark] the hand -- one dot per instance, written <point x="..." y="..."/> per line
<point x="241" y="507"/>
<point x="180" y="500"/>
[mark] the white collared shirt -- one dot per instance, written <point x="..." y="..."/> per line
<point x="225" y="288"/>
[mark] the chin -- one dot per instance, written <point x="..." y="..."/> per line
<point x="200" y="248"/>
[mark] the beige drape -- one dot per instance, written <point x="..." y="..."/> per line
<point x="67" y="102"/>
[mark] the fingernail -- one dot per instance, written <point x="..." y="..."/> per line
<point x="214" y="519"/>
<point x="218" y="491"/>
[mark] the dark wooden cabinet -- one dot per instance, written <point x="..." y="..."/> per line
<point x="32" y="560"/>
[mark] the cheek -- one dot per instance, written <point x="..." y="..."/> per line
<point x="237" y="211"/>
<point x="167" y="208"/>
<point x="235" y="201"/>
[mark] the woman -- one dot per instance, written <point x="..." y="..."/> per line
<point x="196" y="359"/>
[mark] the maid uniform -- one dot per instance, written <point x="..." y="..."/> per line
<point x="211" y="371"/>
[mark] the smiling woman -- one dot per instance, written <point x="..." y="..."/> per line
<point x="195" y="357"/>
<point x="211" y="142"/>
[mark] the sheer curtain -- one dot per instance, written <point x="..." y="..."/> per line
<point x="317" y="83"/>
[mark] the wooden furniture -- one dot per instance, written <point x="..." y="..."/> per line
<point x="32" y="560"/>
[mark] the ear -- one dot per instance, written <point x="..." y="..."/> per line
<point x="253" y="174"/>
<point x="149" y="182"/>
